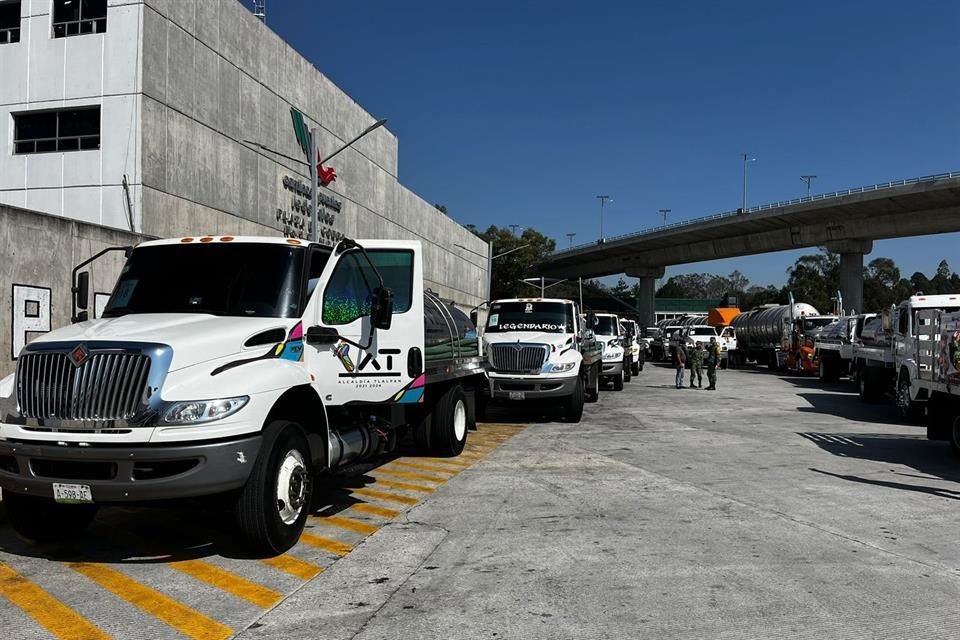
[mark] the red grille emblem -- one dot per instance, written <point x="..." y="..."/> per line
<point x="79" y="355"/>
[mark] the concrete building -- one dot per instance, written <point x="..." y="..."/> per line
<point x="172" y="117"/>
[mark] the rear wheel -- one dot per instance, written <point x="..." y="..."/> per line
<point x="635" y="368"/>
<point x="955" y="434"/>
<point x="448" y="424"/>
<point x="43" y="520"/>
<point x="273" y="506"/>
<point x="592" y="394"/>
<point x="626" y="372"/>
<point x="907" y="408"/>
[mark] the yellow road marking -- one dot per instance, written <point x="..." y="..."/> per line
<point x="349" y="524"/>
<point x="327" y="544"/>
<point x="405" y="486"/>
<point x="466" y="455"/>
<point x="409" y="476"/>
<point x="181" y="617"/>
<point x="456" y="463"/>
<point x="294" y="566"/>
<point x="425" y="467"/>
<point x="57" y="618"/>
<point x="385" y="495"/>
<point x="374" y="510"/>
<point x="229" y="582"/>
<point x="481" y="446"/>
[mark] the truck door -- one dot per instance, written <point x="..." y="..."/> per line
<point x="360" y="363"/>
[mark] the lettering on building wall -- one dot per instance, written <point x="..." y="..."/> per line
<point x="31" y="315"/>
<point x="295" y="218"/>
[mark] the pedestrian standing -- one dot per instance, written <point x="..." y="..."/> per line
<point x="679" y="358"/>
<point x="696" y="365"/>
<point x="713" y="359"/>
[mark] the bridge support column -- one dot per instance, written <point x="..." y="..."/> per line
<point x="648" y="291"/>
<point x="851" y="271"/>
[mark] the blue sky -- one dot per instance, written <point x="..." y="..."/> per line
<point x="522" y="112"/>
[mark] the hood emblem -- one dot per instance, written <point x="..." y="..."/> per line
<point x="79" y="355"/>
<point x="518" y="347"/>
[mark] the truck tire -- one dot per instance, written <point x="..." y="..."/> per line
<point x="955" y="433"/>
<point x="635" y="368"/>
<point x="626" y="373"/>
<point x="573" y="404"/>
<point x="448" y="424"/>
<point x="907" y="409"/>
<point x="618" y="382"/>
<point x="273" y="506"/>
<point x="43" y="520"/>
<point x="592" y="393"/>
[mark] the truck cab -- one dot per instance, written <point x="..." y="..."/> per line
<point x="235" y="367"/>
<point x="539" y="348"/>
<point x="633" y="344"/>
<point x="607" y="329"/>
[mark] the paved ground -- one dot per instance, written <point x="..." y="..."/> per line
<point x="775" y="507"/>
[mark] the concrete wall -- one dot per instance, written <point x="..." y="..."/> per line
<point x="216" y="80"/>
<point x="43" y="72"/>
<point x="35" y="274"/>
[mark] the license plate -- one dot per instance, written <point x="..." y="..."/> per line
<point x="517" y="395"/>
<point x="72" y="493"/>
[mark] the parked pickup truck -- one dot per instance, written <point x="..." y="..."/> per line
<point x="233" y="367"/>
<point x="538" y="348"/>
<point x="615" y="356"/>
<point x="633" y="343"/>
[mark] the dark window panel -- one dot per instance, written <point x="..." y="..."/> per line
<point x="90" y="143"/>
<point x="25" y="147"/>
<point x="86" y="27"/>
<point x="92" y="9"/>
<point x="68" y="144"/>
<point x="79" y="122"/>
<point x="66" y="10"/>
<point x="36" y="125"/>
<point x="46" y="145"/>
<point x="10" y="15"/>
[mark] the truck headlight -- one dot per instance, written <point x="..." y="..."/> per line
<point x="197" y="411"/>
<point x="559" y="367"/>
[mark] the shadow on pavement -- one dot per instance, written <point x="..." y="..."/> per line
<point x="851" y="408"/>
<point x="934" y="491"/>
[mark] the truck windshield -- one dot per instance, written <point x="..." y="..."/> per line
<point x="551" y="317"/>
<point x="240" y="279"/>
<point x="809" y="324"/>
<point x="606" y="326"/>
<point x="703" y="331"/>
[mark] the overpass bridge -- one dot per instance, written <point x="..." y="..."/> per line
<point x="846" y="222"/>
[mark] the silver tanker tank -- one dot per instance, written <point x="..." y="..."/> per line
<point x="762" y="329"/>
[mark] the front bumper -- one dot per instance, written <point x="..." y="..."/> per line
<point x="611" y="369"/>
<point x="531" y="387"/>
<point x="130" y="473"/>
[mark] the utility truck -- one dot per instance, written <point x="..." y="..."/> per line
<point x="614" y="368"/>
<point x="234" y="367"/>
<point x="634" y="344"/>
<point x="835" y="345"/>
<point x="938" y="372"/>
<point x="539" y="348"/>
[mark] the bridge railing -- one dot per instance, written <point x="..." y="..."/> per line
<point x="766" y="207"/>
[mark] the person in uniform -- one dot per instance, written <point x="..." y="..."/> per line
<point x="713" y="360"/>
<point x="696" y="365"/>
<point x="678" y="364"/>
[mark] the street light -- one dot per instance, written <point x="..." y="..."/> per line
<point x="746" y="159"/>
<point x="514" y="227"/>
<point x="313" y="136"/>
<point x="490" y="258"/>
<point x="571" y="236"/>
<point x="603" y="201"/>
<point x="808" y="180"/>
<point x="664" y="213"/>
<point x="541" y="279"/>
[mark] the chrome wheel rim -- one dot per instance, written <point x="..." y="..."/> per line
<point x="293" y="484"/>
<point x="460" y="421"/>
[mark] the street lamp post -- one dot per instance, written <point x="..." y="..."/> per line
<point x="490" y="258"/>
<point x="603" y="201"/>
<point x="664" y="213"/>
<point x="808" y="179"/>
<point x="746" y="159"/>
<point x="570" y="236"/>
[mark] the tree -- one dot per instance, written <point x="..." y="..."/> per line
<point x="814" y="279"/>
<point x="882" y="285"/>
<point x="510" y="269"/>
<point x="940" y="283"/>
<point x="442" y="208"/>
<point x="920" y="282"/>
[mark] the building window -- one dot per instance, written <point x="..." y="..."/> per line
<point x="77" y="17"/>
<point x="61" y="130"/>
<point x="9" y="22"/>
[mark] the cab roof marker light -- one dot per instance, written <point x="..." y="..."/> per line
<point x="186" y="239"/>
<point x="206" y="239"/>
<point x="226" y="239"/>
<point x="293" y="241"/>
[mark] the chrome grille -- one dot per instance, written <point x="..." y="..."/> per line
<point x="107" y="386"/>
<point x="517" y="357"/>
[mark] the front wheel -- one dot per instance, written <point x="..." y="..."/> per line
<point x="635" y="368"/>
<point x="43" y="520"/>
<point x="955" y="434"/>
<point x="592" y="394"/>
<point x="906" y="407"/>
<point x="618" y="382"/>
<point x="273" y="506"/>
<point x="573" y="404"/>
<point x="626" y="373"/>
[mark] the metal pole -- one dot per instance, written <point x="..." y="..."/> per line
<point x="490" y="270"/>
<point x="808" y="180"/>
<point x="314" y="187"/>
<point x="743" y="209"/>
<point x="541" y="286"/>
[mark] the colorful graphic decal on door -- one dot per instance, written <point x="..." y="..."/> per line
<point x="342" y="352"/>
<point x="412" y="393"/>
<point x="291" y="349"/>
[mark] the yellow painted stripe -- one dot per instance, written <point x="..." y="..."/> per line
<point x="424" y="467"/>
<point x="181" y="617"/>
<point x="404" y="486"/>
<point x="294" y="566"/>
<point x="327" y="544"/>
<point x="57" y="618"/>
<point x="374" y="510"/>
<point x="405" y="475"/>
<point x="229" y="582"/>
<point x="456" y="463"/>
<point x="385" y="495"/>
<point x="488" y="447"/>
<point x="349" y="524"/>
<point x="466" y="455"/>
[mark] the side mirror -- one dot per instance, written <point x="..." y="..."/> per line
<point x="381" y="311"/>
<point x="322" y="335"/>
<point x="82" y="290"/>
<point x="82" y="316"/>
<point x="474" y="316"/>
